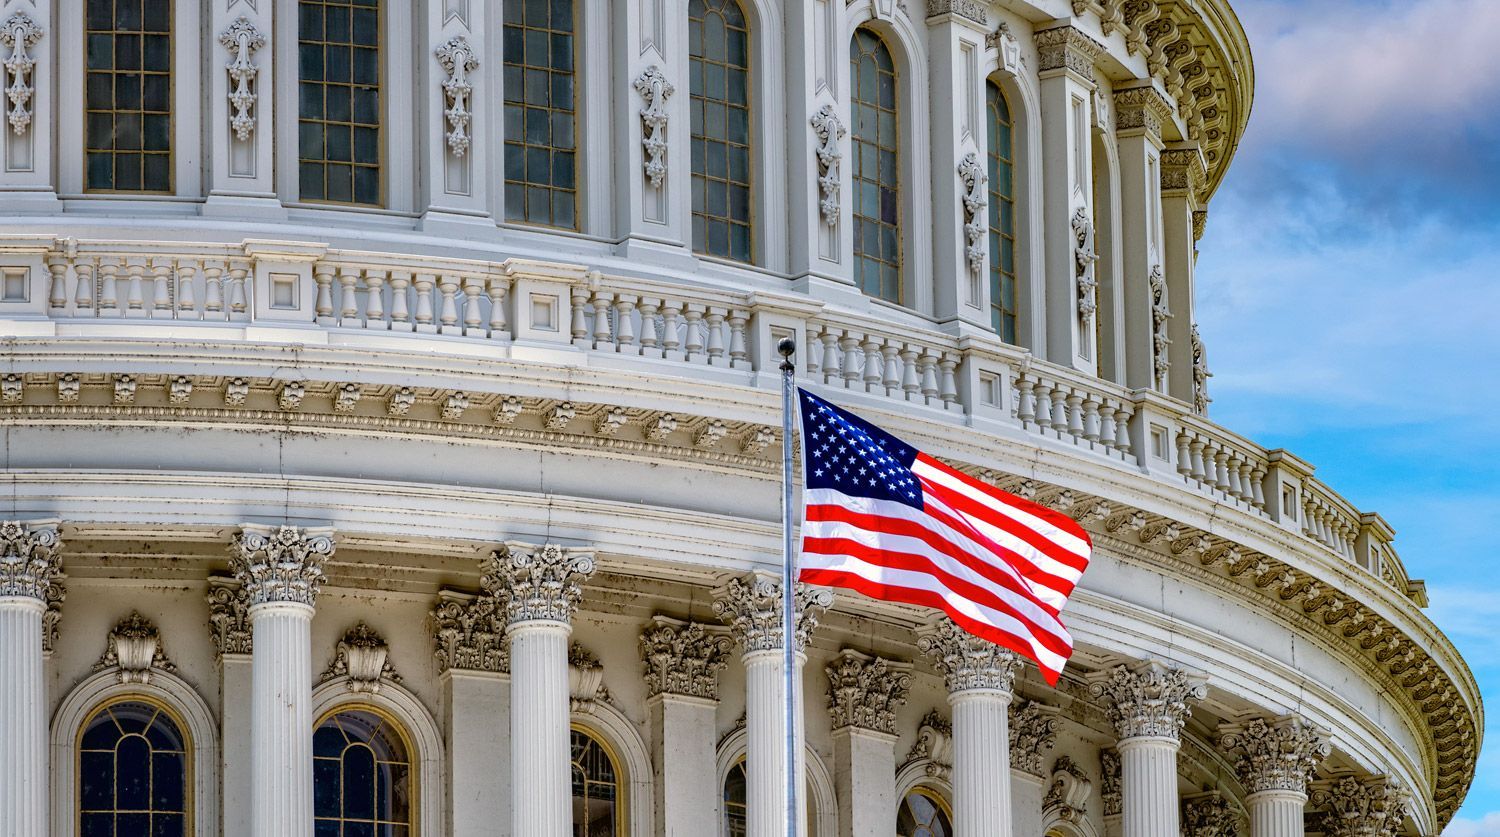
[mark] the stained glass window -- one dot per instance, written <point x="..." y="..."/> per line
<point x="923" y="815"/>
<point x="132" y="773"/>
<point x="362" y="782"/>
<point x="338" y="101"/>
<point x="1002" y="214"/>
<point x="597" y="811"/>
<point x="128" y="96"/>
<point x="541" y="156"/>
<point x="719" y="51"/>
<point x="877" y="193"/>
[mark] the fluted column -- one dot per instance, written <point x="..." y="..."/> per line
<point x="29" y="565"/>
<point x="1372" y="807"/>
<point x="864" y="693"/>
<point x="473" y="662"/>
<point x="540" y="588"/>
<point x="282" y="571"/>
<point x="751" y="606"/>
<point x="979" y="675"/>
<point x="1274" y="759"/>
<point x="1148" y="704"/>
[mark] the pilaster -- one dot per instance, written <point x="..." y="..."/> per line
<point x="1033" y="732"/>
<point x="27" y="48"/>
<point x="29" y="565"/>
<point x="1139" y="113"/>
<point x="239" y="115"/>
<point x="864" y="693"/>
<point x="1182" y="174"/>
<point x="1372" y="807"/>
<point x="819" y="236"/>
<point x="455" y="108"/>
<point x="473" y="665"/>
<point x="231" y="632"/>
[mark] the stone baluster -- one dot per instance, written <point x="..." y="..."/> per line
<point x="1371" y="807"/>
<point x="323" y="298"/>
<point x="1148" y="704"/>
<point x="948" y="368"/>
<point x="375" y="300"/>
<point x="671" y="336"/>
<point x="891" y="374"/>
<point x="650" y="328"/>
<point x="239" y="305"/>
<point x="1041" y="395"/>
<point x="739" y="354"/>
<point x="1107" y="423"/>
<point x="692" y="343"/>
<point x="57" y="288"/>
<point x="213" y="288"/>
<point x="498" y="288"/>
<point x="1090" y="417"/>
<point x="1257" y="485"/>
<point x="348" y="296"/>
<point x="930" y="390"/>
<point x="714" y="320"/>
<point x="187" y="302"/>
<point x="29" y="567"/>
<point x="1184" y="453"/>
<point x="540" y="586"/>
<point x="281" y="570"/>
<point x="161" y="288"/>
<point x="1033" y="732"/>
<point x="135" y="295"/>
<point x="813" y="358"/>
<point x="448" y="310"/>
<point x="400" y="305"/>
<point x="751" y="606"/>
<point x="1223" y="479"/>
<point x="874" y="365"/>
<point x="832" y="359"/>
<point x="1075" y="414"/>
<point x="1025" y="398"/>
<point x="682" y="663"/>
<point x="580" y="324"/>
<point x="1274" y="759"/>
<point x="473" y="311"/>
<point x="603" y="341"/>
<point x="979" y="676"/>
<point x="424" y="283"/>
<point x="473" y="663"/>
<point x="911" y="375"/>
<point x="864" y="693"/>
<point x="1059" y="409"/>
<point x="83" y="293"/>
<point x="109" y="289"/>
<point x="625" y="324"/>
<point x="1197" y="458"/>
<point x="851" y="360"/>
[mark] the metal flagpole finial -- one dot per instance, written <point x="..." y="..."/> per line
<point x="786" y="347"/>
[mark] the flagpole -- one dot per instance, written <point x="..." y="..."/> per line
<point x="787" y="347"/>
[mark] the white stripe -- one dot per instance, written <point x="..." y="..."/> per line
<point x="922" y="581"/>
<point x="1037" y="558"/>
<point x="1064" y="540"/>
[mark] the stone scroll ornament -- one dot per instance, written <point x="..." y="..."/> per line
<point x="829" y="130"/>
<point x="457" y="60"/>
<point x="20" y="33"/>
<point x="1085" y="257"/>
<point x="976" y="200"/>
<point x="242" y="39"/>
<point x="656" y="90"/>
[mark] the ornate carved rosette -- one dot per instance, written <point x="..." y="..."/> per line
<point x="469" y="633"/>
<point x="284" y="564"/>
<point x="934" y="745"/>
<point x="966" y="661"/>
<point x="1067" y="47"/>
<point x="1084" y="259"/>
<point x="1373" y="807"/>
<point x="653" y="86"/>
<point x="828" y="130"/>
<point x="1148" y="700"/>
<point x="457" y="59"/>
<point x="229" y="616"/>
<point x="29" y="560"/>
<point x="1069" y="791"/>
<point x="1209" y="815"/>
<point x="976" y="199"/>
<point x="20" y="33"/>
<point x="865" y="691"/>
<point x="134" y="646"/>
<point x="751" y="607"/>
<point x="1033" y="732"/>
<point x="362" y="655"/>
<point x="242" y="39"/>
<point x="537" y="582"/>
<point x="683" y="658"/>
<point x="1274" y="755"/>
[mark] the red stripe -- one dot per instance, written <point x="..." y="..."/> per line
<point x="926" y="598"/>
<point x="1056" y="518"/>
<point x="1015" y="560"/>
<point x="1014" y="527"/>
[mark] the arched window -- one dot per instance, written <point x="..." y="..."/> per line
<point x="598" y="806"/>
<point x="362" y="776"/>
<point x="133" y="772"/>
<point x="338" y="101"/>
<point x="923" y="814"/>
<point x="1002" y="214"/>
<point x="541" y="157"/>
<point x="877" y="195"/>
<point x="736" y="802"/>
<point x="128" y="96"/>
<point x="719" y="50"/>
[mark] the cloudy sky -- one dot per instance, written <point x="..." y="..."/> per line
<point x="1349" y="288"/>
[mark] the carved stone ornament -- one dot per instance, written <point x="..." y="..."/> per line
<point x="134" y="647"/>
<point x="1141" y="108"/>
<point x="284" y="564"/>
<point x="1209" y="815"/>
<point x="29" y="560"/>
<point x="968" y="9"/>
<point x="653" y="86"/>
<point x="1069" y="791"/>
<point x="1200" y="374"/>
<point x="362" y="655"/>
<point x="1110" y="790"/>
<point x="1274" y="755"/>
<point x="684" y="658"/>
<point x="242" y="39"/>
<point x="229" y="616"/>
<point x="20" y="33"/>
<point x="1160" y="314"/>
<point x="1009" y="47"/>
<point x="828" y="130"/>
<point x="966" y="661"/>
<point x="1374" y="807"/>
<point x="585" y="680"/>
<point x="1085" y="257"/>
<point x="865" y="691"/>
<point x="751" y="607"/>
<point x="537" y="581"/>
<point x="976" y="199"/>
<point x="1067" y="48"/>
<point x="1149" y="700"/>
<point x="934" y="745"/>
<point x="1033" y="732"/>
<point x="469" y="633"/>
<point x="52" y="616"/>
<point x="457" y="59"/>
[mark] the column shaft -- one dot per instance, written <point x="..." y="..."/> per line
<point x="23" y="717"/>
<point x="476" y="705"/>
<point x="281" y="720"/>
<point x="981" y="763"/>
<point x="539" y="729"/>
<point x="1276" y="813"/>
<point x="1149" y="783"/>
<point x="682" y="749"/>
<point x="765" y="753"/>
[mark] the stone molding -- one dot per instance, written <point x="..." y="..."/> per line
<point x="284" y="564"/>
<point x="751" y="607"/>
<point x="1274" y="755"/>
<point x="469" y="633"/>
<point x="684" y="658"/>
<point x="229" y="616"/>
<point x="29" y="559"/>
<point x="1067" y="48"/>
<point x="363" y="657"/>
<point x="1068" y="794"/>
<point x="970" y="10"/>
<point x="537" y="581"/>
<point x="1141" y="108"/>
<point x="1209" y="815"/>
<point x="1033" y="732"/>
<point x="1149" y="699"/>
<point x="966" y="661"/>
<point x="1182" y="170"/>
<point x="934" y="745"/>
<point x="134" y="648"/>
<point x="1371" y="807"/>
<point x="865" y="691"/>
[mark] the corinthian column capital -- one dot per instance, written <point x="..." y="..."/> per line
<point x="966" y="661"/>
<point x="751" y="607"/>
<point x="1067" y="48"/>
<point x="1277" y="754"/>
<point x="537" y="582"/>
<point x="1373" y="807"/>
<point x="282" y="564"/>
<point x="1033" y="732"/>
<point x="684" y="658"/>
<point x="29" y="560"/>
<point x="865" y="691"/>
<point x="469" y="633"/>
<point x="1209" y="815"/>
<point x="1148" y="700"/>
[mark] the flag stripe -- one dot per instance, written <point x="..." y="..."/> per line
<point x="1043" y="534"/>
<point x="1050" y="590"/>
<point x="1033" y="562"/>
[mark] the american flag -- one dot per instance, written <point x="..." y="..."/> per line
<point x="886" y="520"/>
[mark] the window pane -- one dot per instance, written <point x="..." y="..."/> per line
<point x="339" y="116"/>
<point x="361" y="776"/>
<point x="127" y="96"/>
<point x="923" y="815"/>
<point x="132" y="772"/>
<point x="876" y="200"/>
<point x="721" y="130"/>
<point x="538" y="43"/>
<point x="596" y="812"/>
<point x="1002" y="207"/>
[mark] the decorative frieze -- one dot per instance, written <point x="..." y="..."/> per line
<point x="1148" y="700"/>
<point x="966" y="661"/>
<point x="284" y="564"/>
<point x="29" y="560"/>
<point x="972" y="175"/>
<point x="229" y="616"/>
<point x="934" y="745"/>
<point x="585" y="680"/>
<point x="362" y="656"/>
<point x="1161" y="312"/>
<point x="1068" y="793"/>
<point x="134" y="648"/>
<point x="1084" y="259"/>
<point x="1200" y="374"/>
<point x="537" y="581"/>
<point x="1110" y="771"/>
<point x="1067" y="48"/>
<point x="1278" y="754"/>
<point x="972" y="10"/>
<point x="1033" y="733"/>
<point x="654" y="88"/>
<point x="242" y="40"/>
<point x="866" y="691"/>
<point x="751" y="607"/>
<point x="1373" y="807"/>
<point x="684" y="658"/>
<point x="828" y="129"/>
<point x="1209" y="815"/>
<point x="1141" y="108"/>
<point x="20" y="33"/>
<point x="469" y="633"/>
<point x="457" y="59"/>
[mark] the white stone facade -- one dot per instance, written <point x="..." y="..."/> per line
<point x="493" y="482"/>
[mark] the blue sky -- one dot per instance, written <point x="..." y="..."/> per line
<point x="1349" y="288"/>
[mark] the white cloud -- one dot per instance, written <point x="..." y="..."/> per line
<point x="1488" y="825"/>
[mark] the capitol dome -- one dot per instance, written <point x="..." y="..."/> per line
<point x="393" y="429"/>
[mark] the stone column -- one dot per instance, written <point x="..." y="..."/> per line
<point x="1139" y="112"/>
<point x="539" y="585"/>
<point x="282" y="571"/>
<point x="229" y="622"/>
<point x="751" y="606"/>
<point x="682" y="662"/>
<point x="29" y="567"/>
<point x="1274" y="759"/>
<point x="1182" y="174"/>
<point x="864" y="693"/>
<point x="1148" y="704"/>
<point x="473" y="662"/>
<point x="1372" y="807"/>
<point x="1033" y="732"/>
<point x="979" y="675"/>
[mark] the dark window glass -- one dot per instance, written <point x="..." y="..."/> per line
<point x="597" y="811"/>
<point x="128" y="141"/>
<point x="877" y="193"/>
<point x="541" y="167"/>
<point x="362" y="780"/>
<point x="132" y="773"/>
<point x="719" y="51"/>
<point x="735" y="802"/>
<point x="923" y="815"/>
<point x="338" y="137"/>
<point x="1002" y="243"/>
